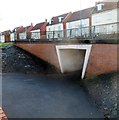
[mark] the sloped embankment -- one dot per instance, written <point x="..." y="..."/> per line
<point x="16" y="60"/>
<point x="104" y="92"/>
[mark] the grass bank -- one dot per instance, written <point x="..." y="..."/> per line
<point x="5" y="44"/>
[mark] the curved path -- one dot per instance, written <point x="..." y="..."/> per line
<point x="45" y="96"/>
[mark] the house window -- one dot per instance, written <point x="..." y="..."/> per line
<point x="109" y="16"/>
<point x="53" y="28"/>
<point x="98" y="19"/>
<point x="69" y="25"/>
<point x="49" y="29"/>
<point x="58" y="35"/>
<point x="100" y="6"/>
<point x="75" y="24"/>
<point x="60" y="19"/>
<point x="48" y="36"/>
<point x="35" y="35"/>
<point x="59" y="27"/>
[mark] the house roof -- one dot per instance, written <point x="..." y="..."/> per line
<point x="55" y="20"/>
<point x="81" y="14"/>
<point x="17" y="29"/>
<point x="5" y="32"/>
<point x="107" y="6"/>
<point x="38" y="26"/>
<point x="25" y="29"/>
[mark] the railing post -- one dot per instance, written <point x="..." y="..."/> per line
<point x="53" y="35"/>
<point x="64" y="33"/>
<point x="81" y="33"/>
<point x="70" y="32"/>
<point x="93" y="34"/>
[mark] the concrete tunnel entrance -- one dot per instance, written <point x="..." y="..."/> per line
<point x="73" y="57"/>
<point x="72" y="60"/>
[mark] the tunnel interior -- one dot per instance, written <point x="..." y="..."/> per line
<point x="72" y="59"/>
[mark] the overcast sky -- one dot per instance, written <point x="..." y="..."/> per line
<point x="14" y="13"/>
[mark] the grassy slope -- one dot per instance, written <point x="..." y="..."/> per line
<point x="5" y="44"/>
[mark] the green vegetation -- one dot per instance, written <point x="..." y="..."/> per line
<point x="5" y="44"/>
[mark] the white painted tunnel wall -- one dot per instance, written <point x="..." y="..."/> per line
<point x="73" y="57"/>
<point x="72" y="60"/>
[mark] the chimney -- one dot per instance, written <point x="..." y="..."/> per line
<point x="45" y="20"/>
<point x="31" y="24"/>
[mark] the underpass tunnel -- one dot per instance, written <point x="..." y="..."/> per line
<point x="73" y="58"/>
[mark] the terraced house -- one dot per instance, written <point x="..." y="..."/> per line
<point x="5" y="36"/>
<point x="56" y="26"/>
<point x="39" y="31"/>
<point x="15" y="33"/>
<point x="80" y="23"/>
<point x="105" y="18"/>
<point x="25" y="32"/>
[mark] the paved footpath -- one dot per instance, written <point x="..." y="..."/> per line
<point x="2" y="115"/>
<point x="45" y="96"/>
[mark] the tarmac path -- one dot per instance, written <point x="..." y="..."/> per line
<point x="45" y="96"/>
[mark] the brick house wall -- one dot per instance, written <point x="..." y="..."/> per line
<point x="43" y="30"/>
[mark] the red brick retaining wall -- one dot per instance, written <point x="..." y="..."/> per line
<point x="46" y="52"/>
<point x="103" y="59"/>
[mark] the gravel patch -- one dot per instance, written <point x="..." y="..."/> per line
<point x="16" y="60"/>
<point x="104" y="92"/>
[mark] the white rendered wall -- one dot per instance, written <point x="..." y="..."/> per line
<point x="35" y="34"/>
<point x="2" y="38"/>
<point x="106" y="22"/>
<point x="76" y="28"/>
<point x="22" y="35"/>
<point x="51" y="28"/>
<point x="105" y="17"/>
<point x="12" y="36"/>
<point x="77" y="24"/>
